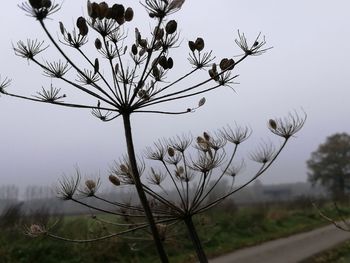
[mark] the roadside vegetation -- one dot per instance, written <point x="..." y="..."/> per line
<point x="222" y="230"/>
<point x="338" y="254"/>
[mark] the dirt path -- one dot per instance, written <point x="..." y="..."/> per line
<point x="288" y="250"/>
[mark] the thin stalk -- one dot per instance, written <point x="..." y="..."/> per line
<point x="195" y="240"/>
<point x="143" y="199"/>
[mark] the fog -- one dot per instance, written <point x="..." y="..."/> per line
<point x="306" y="70"/>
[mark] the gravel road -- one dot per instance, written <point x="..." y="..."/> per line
<point x="288" y="250"/>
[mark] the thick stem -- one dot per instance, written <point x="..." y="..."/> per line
<point x="195" y="240"/>
<point x="143" y="199"/>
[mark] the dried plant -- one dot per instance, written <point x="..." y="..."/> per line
<point x="137" y="84"/>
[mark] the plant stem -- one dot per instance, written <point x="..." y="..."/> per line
<point x="143" y="199"/>
<point x="195" y="240"/>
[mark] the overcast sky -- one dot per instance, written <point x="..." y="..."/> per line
<point x="308" y="68"/>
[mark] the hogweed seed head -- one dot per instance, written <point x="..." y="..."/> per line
<point x="114" y="180"/>
<point x="288" y="126"/>
<point x="35" y="230"/>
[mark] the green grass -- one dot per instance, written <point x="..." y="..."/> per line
<point x="222" y="230"/>
<point x="338" y="254"/>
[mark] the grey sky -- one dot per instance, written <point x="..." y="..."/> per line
<point x="307" y="68"/>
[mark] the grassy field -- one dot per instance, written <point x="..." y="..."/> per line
<point x="222" y="230"/>
<point x="338" y="254"/>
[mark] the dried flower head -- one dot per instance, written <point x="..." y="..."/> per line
<point x="264" y="153"/>
<point x="50" y="95"/>
<point x="39" y="9"/>
<point x="160" y="8"/>
<point x="233" y="170"/>
<point x="206" y="162"/>
<point x="288" y="126"/>
<point x="56" y="69"/>
<point x="181" y="143"/>
<point x="4" y="84"/>
<point x="68" y="186"/>
<point x="123" y="171"/>
<point x="200" y="61"/>
<point x="156" y="177"/>
<point x="35" y="230"/>
<point x="30" y="49"/>
<point x="90" y="187"/>
<point x="102" y="115"/>
<point x="88" y="77"/>
<point x="236" y="135"/>
<point x="255" y="49"/>
<point x="157" y="152"/>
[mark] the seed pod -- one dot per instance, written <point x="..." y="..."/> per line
<point x="129" y="14"/>
<point x="98" y="43"/>
<point x="69" y="37"/>
<point x="156" y="72"/>
<point x="199" y="44"/>
<point x="227" y="64"/>
<point x="90" y="184"/>
<point x="171" y="151"/>
<point x="96" y="66"/>
<point x="181" y="170"/>
<point x="62" y="29"/>
<point x="81" y="22"/>
<point x="272" y="124"/>
<point x="46" y="3"/>
<point x="116" y="68"/>
<point x="192" y="46"/>
<point x="114" y="180"/>
<point x="118" y="10"/>
<point x="109" y="14"/>
<point x="84" y="30"/>
<point x="157" y="45"/>
<point x="175" y="4"/>
<point x="213" y="73"/>
<point x="82" y="26"/>
<point x="95" y="10"/>
<point x="120" y="20"/>
<point x="143" y="43"/>
<point x="142" y="52"/>
<point x="206" y="136"/>
<point x="158" y="33"/>
<point x="170" y="63"/>
<point x="103" y="6"/>
<point x="36" y="3"/>
<point x="163" y="62"/>
<point x="171" y="27"/>
<point x="124" y="168"/>
<point x="134" y="49"/>
<point x="141" y="93"/>
<point x="137" y="36"/>
<point x="231" y="64"/>
<point x="89" y="8"/>
<point x="200" y="140"/>
<point x="201" y="102"/>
